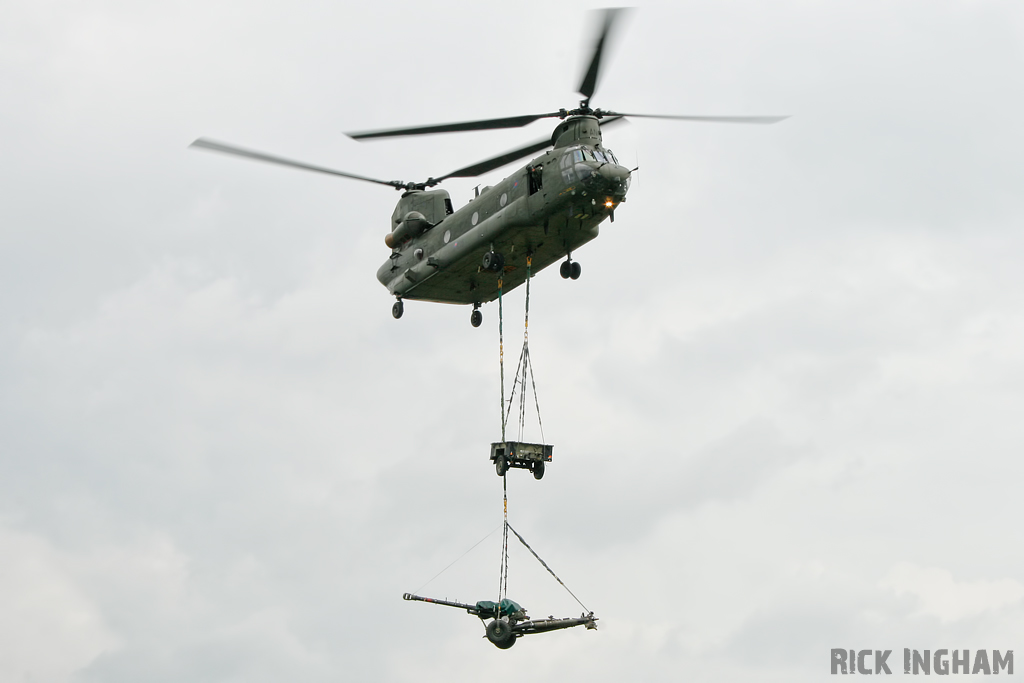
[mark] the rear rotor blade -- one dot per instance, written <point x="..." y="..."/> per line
<point x="485" y="124"/>
<point x="204" y="143"/>
<point x="712" y="119"/>
<point x="589" y="83"/>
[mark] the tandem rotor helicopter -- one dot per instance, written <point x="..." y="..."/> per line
<point x="544" y="211"/>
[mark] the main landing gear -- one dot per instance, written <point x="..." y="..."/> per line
<point x="570" y="269"/>
<point x="493" y="261"/>
<point x="476" y="318"/>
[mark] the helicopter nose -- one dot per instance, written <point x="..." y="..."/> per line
<point x="616" y="176"/>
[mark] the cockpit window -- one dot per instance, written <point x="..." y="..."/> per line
<point x="587" y="154"/>
<point x="599" y="156"/>
<point x="568" y="174"/>
<point x="577" y="155"/>
<point x="611" y="157"/>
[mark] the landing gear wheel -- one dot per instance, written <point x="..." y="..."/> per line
<point x="565" y="270"/>
<point x="500" y="465"/>
<point x="475" y="318"/>
<point x="538" y="470"/>
<point x="493" y="261"/>
<point x="575" y="270"/>
<point x="398" y="309"/>
<point x="500" y="633"/>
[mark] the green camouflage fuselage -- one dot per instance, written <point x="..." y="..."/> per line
<point x="546" y="210"/>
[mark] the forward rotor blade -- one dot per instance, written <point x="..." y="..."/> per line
<point x="485" y="124"/>
<point x="498" y="161"/>
<point x="510" y="156"/>
<point x="589" y="83"/>
<point x="712" y="119"/>
<point x="204" y="143"/>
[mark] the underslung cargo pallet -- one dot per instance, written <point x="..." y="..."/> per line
<point x="527" y="456"/>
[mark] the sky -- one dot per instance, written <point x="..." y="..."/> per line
<point x="784" y="396"/>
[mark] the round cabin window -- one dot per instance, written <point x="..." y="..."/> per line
<point x="504" y="199"/>
<point x="476" y="217"/>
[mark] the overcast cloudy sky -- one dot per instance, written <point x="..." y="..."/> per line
<point x="785" y="396"/>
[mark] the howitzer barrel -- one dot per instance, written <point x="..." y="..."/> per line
<point x="542" y="625"/>
<point x="472" y="609"/>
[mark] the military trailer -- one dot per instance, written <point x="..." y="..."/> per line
<point x="526" y="456"/>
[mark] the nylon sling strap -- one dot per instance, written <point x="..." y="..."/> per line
<point x="520" y="381"/>
<point x="501" y="357"/>
<point x="524" y="368"/>
<point x="527" y="363"/>
<point x="503" y="575"/>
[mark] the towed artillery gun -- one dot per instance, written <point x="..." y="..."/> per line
<point x="508" y="619"/>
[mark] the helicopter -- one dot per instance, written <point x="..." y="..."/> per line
<point x="538" y="215"/>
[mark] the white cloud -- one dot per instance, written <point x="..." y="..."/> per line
<point x="50" y="624"/>
<point x="939" y="595"/>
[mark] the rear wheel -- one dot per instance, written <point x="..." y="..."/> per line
<point x="576" y="270"/>
<point x="398" y="309"/>
<point x="565" y="270"/>
<point x="475" y="318"/>
<point x="500" y="465"/>
<point x="538" y="470"/>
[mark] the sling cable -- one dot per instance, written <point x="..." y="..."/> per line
<point x="508" y="619"/>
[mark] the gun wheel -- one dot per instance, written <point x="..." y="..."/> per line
<point x="500" y="633"/>
<point x="507" y="644"/>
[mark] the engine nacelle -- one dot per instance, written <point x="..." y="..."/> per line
<point x="414" y="223"/>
